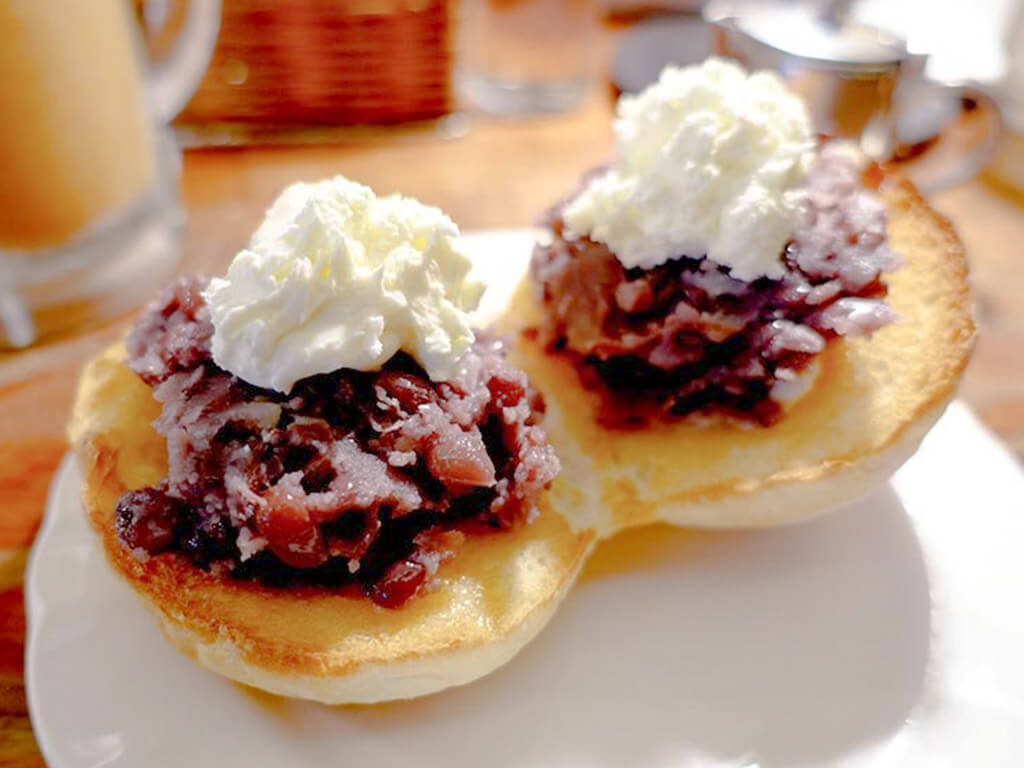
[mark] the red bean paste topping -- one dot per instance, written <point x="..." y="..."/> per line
<point x="367" y="479"/>
<point x="685" y="336"/>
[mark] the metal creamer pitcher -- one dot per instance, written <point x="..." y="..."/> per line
<point x="863" y="83"/>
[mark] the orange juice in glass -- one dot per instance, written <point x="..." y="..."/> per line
<point x="89" y="217"/>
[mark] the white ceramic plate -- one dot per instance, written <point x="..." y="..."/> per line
<point x="889" y="633"/>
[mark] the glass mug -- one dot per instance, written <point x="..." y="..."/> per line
<point x="89" y="214"/>
<point x="862" y="83"/>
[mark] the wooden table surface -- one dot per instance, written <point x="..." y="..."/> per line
<point x="494" y="174"/>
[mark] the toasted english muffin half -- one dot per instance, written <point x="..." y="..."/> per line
<point x="483" y="605"/>
<point x="867" y="411"/>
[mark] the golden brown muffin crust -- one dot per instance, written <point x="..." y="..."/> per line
<point x="872" y="402"/>
<point x="493" y="586"/>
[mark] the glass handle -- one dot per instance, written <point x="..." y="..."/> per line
<point x="175" y="76"/>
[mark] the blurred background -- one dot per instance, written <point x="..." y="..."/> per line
<point x="133" y="120"/>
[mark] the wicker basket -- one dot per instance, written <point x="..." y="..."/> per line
<point x="328" y="62"/>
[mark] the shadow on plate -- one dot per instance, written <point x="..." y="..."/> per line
<point x="781" y="647"/>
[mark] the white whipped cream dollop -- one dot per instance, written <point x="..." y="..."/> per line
<point x="709" y="160"/>
<point x="336" y="277"/>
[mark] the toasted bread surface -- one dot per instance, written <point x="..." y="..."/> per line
<point x="872" y="402"/>
<point x="484" y="604"/>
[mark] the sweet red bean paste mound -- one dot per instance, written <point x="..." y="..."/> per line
<point x="367" y="479"/>
<point x="687" y="337"/>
